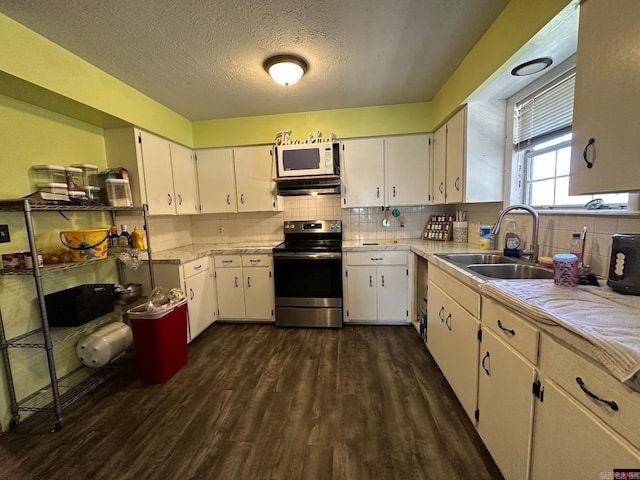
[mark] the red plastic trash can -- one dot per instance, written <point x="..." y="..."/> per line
<point x="161" y="342"/>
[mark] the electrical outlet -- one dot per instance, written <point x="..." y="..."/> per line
<point x="4" y="234"/>
<point x="221" y="230"/>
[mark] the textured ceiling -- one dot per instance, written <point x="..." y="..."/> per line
<point x="203" y="58"/>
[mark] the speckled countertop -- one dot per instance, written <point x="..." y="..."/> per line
<point x="187" y="253"/>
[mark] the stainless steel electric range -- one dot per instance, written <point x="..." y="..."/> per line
<point x="308" y="274"/>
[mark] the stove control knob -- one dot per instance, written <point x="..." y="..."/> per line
<point x="334" y="226"/>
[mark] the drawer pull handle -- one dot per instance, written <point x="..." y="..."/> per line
<point x="447" y="322"/>
<point x="486" y="370"/>
<point x="440" y="314"/>
<point x="377" y="192"/>
<point x="508" y="330"/>
<point x="248" y="282"/>
<point x="228" y="200"/>
<point x="254" y="262"/>
<point x="613" y="405"/>
<point x="382" y="280"/>
<point x="193" y="294"/>
<point x="227" y="261"/>
<point x="235" y="282"/>
<point x="440" y="187"/>
<point x="197" y="267"/>
<point x="370" y="281"/>
<point x="179" y="199"/>
<point x="376" y="259"/>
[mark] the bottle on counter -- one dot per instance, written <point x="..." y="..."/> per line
<point x="576" y="246"/>
<point x="113" y="236"/>
<point x="137" y="238"/>
<point x="512" y="239"/>
<point x="124" y="239"/>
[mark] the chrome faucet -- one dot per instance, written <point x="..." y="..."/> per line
<point x="533" y="252"/>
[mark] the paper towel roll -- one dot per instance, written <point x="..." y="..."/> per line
<point x="105" y="344"/>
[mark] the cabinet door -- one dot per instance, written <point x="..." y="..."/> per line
<point x="254" y="179"/>
<point x="258" y="293"/>
<point x="200" y="294"/>
<point x="156" y="158"/>
<point x="362" y="172"/>
<point x="439" y="165"/>
<point x="505" y="405"/>
<point x="462" y="354"/>
<point x="407" y="164"/>
<point x="455" y="157"/>
<point x="436" y="329"/>
<point x="216" y="180"/>
<point x="393" y="285"/>
<point x="361" y="291"/>
<point x="606" y="98"/>
<point x="569" y="442"/>
<point x="185" y="183"/>
<point x="229" y="285"/>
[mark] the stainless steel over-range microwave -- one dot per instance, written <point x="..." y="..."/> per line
<point x="301" y="160"/>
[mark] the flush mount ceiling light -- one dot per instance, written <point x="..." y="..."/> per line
<point x="286" y="69"/>
<point x="531" y="67"/>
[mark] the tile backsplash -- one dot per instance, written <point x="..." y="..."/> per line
<point x="366" y="223"/>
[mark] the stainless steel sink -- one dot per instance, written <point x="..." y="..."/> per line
<point x="479" y="258"/>
<point x="511" y="271"/>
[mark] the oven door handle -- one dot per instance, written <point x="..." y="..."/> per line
<point x="308" y="256"/>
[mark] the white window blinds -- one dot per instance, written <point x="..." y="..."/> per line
<point x="548" y="111"/>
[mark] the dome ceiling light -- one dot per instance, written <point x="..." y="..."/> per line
<point x="286" y="69"/>
<point x="531" y="67"/>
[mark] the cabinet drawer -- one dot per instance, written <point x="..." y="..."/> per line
<point x="227" y="261"/>
<point x="377" y="258"/>
<point x="462" y="294"/>
<point x="511" y="328"/>
<point x="258" y="260"/>
<point x="195" y="266"/>
<point x="563" y="366"/>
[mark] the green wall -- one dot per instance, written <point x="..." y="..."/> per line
<point x="345" y="123"/>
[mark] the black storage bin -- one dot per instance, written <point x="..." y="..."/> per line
<point x="78" y="305"/>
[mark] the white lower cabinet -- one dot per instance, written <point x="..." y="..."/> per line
<point x="452" y="339"/>
<point x="245" y="287"/>
<point x="570" y="442"/>
<point x="377" y="287"/>
<point x="505" y="405"/>
<point x="195" y="278"/>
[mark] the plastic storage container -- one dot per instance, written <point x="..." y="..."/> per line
<point x="49" y="174"/>
<point x="89" y="173"/>
<point x="118" y="192"/>
<point x="79" y="305"/>
<point x="160" y="340"/>
<point x="93" y="193"/>
<point x="54" y="187"/>
<point x="75" y="180"/>
<point x="565" y="270"/>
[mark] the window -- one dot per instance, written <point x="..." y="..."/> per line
<point x="542" y="144"/>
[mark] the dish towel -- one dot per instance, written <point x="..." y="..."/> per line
<point x="608" y="320"/>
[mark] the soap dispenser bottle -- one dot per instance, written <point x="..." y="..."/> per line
<point x="512" y="239"/>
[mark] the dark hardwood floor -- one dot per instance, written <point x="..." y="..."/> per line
<point x="260" y="402"/>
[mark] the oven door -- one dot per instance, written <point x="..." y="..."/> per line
<point x="308" y="289"/>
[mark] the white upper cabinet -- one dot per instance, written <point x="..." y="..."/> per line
<point x="362" y="172"/>
<point x="468" y="155"/>
<point x="156" y="167"/>
<point x="185" y="183"/>
<point x="216" y="180"/>
<point x="407" y="162"/>
<point x="392" y="171"/>
<point x="237" y="180"/>
<point x="256" y="190"/>
<point x="606" y="98"/>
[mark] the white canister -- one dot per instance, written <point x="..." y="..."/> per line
<point x="102" y="346"/>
